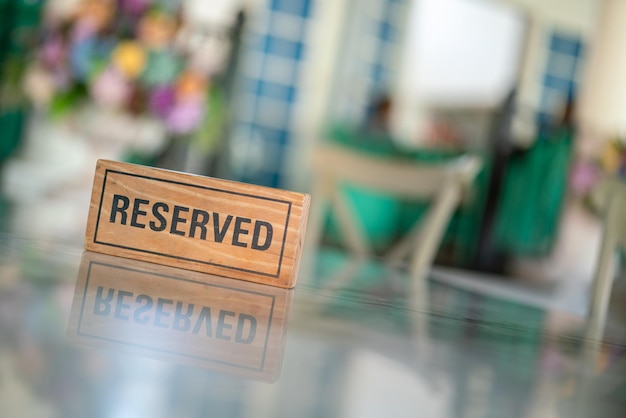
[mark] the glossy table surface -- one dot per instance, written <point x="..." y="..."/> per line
<point x="86" y="335"/>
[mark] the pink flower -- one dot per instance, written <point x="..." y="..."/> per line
<point x="185" y="117"/>
<point x="162" y="100"/>
<point x="82" y="30"/>
<point x="52" y="52"/>
<point x="110" y="89"/>
<point x="583" y="177"/>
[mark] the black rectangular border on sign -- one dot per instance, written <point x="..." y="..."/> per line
<point x="165" y="276"/>
<point x="213" y="189"/>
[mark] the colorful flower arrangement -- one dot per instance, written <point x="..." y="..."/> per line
<point x="123" y="55"/>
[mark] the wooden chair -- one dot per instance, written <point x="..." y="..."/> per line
<point x="610" y="198"/>
<point x="443" y="184"/>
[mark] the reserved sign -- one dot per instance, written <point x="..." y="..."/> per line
<point x="198" y="223"/>
<point x="180" y="316"/>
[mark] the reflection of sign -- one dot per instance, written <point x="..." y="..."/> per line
<point x="181" y="316"/>
<point x="198" y="223"/>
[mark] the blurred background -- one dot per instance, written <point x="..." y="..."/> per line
<point x="247" y="89"/>
<point x="291" y="94"/>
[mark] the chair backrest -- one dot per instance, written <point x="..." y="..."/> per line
<point x="441" y="183"/>
<point x="403" y="178"/>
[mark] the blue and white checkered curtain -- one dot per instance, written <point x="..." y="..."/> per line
<point x="369" y="56"/>
<point x="562" y="75"/>
<point x="267" y="91"/>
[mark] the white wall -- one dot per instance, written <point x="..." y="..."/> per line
<point x="603" y="97"/>
<point x="457" y="53"/>
<point x="573" y="15"/>
<point x="462" y="52"/>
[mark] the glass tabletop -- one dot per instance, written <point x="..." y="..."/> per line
<point x="88" y="335"/>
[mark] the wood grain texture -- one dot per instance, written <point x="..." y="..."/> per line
<point x="198" y="223"/>
<point x="180" y="316"/>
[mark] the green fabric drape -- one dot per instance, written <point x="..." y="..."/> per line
<point x="533" y="194"/>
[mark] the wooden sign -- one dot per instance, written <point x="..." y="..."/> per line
<point x="224" y="325"/>
<point x="198" y="223"/>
